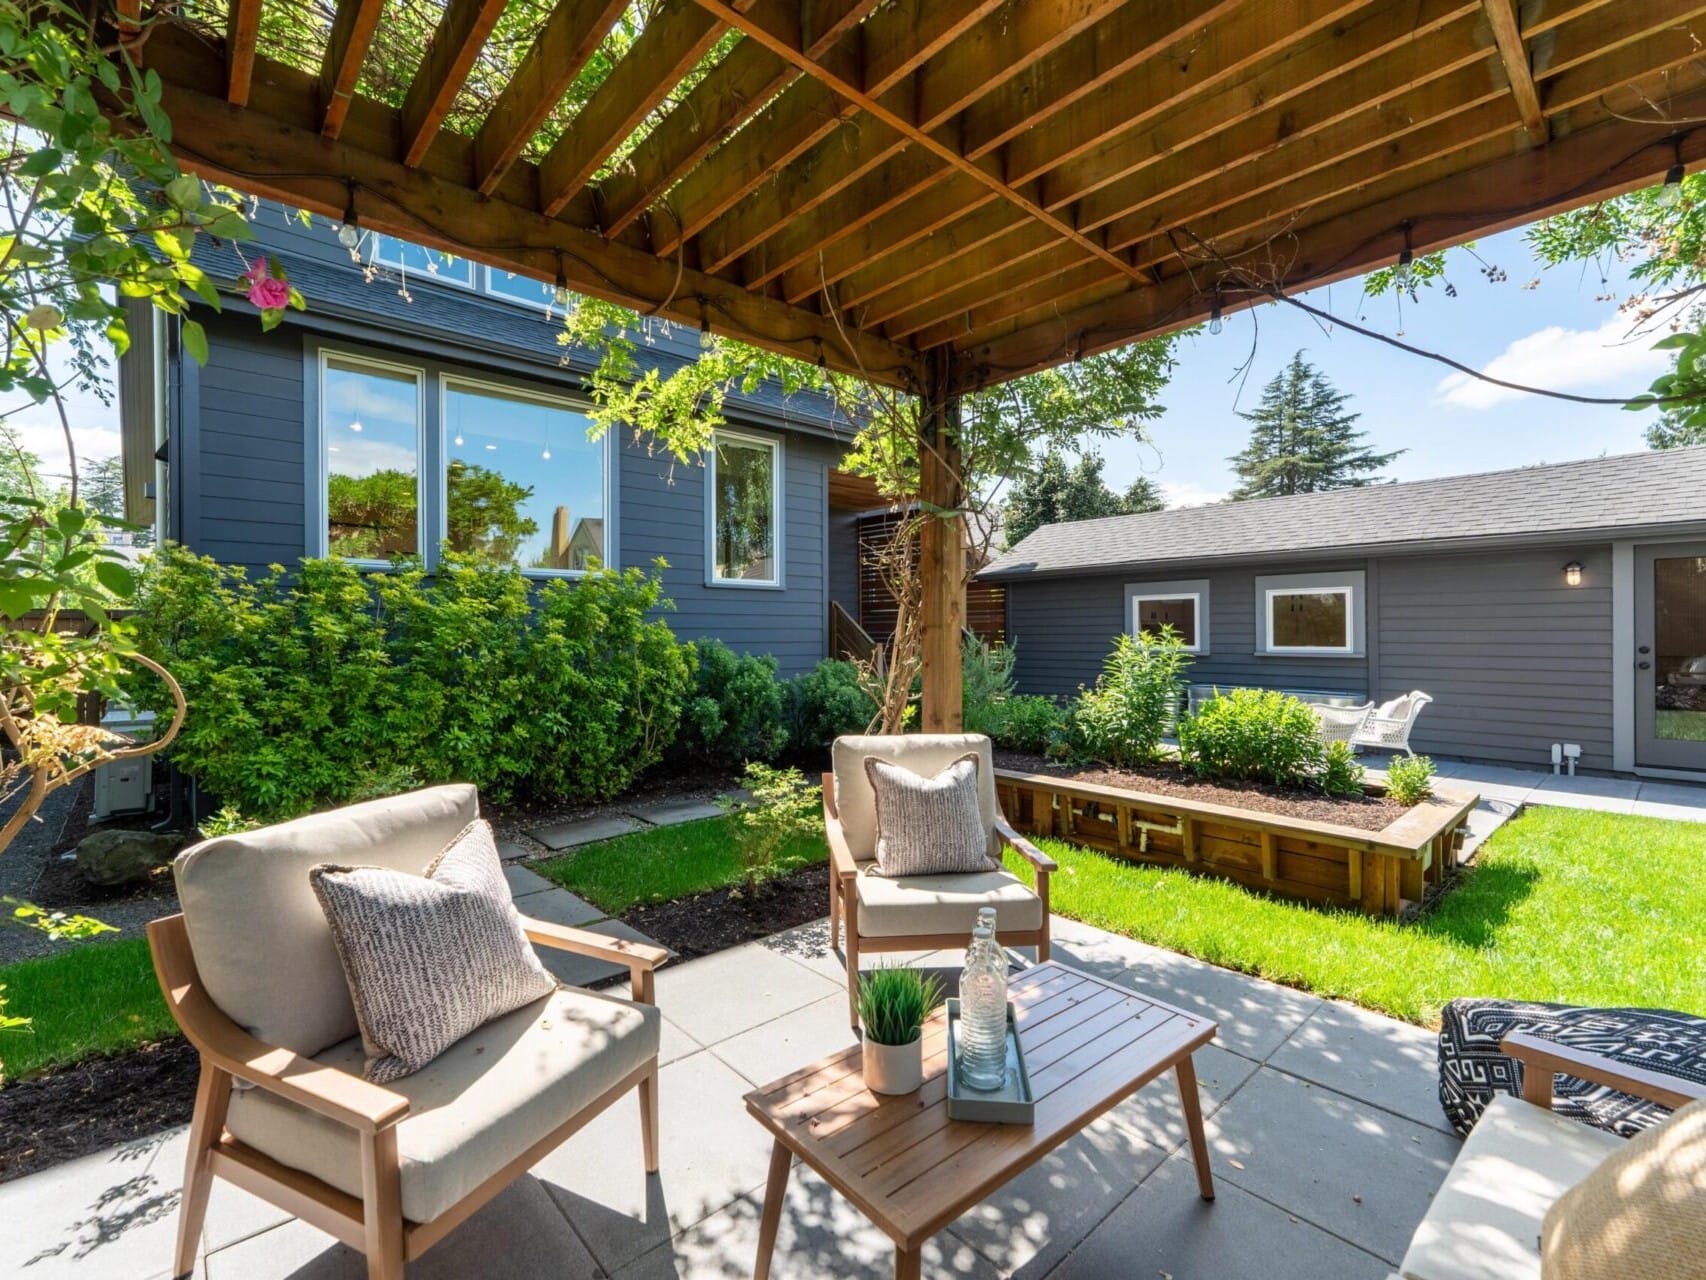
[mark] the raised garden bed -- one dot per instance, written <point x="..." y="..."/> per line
<point x="1376" y="869"/>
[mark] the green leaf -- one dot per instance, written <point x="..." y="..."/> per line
<point x="116" y="578"/>
<point x="184" y="191"/>
<point x="195" y="341"/>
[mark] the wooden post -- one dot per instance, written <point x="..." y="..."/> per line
<point x="942" y="546"/>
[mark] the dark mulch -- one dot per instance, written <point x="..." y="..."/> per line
<point x="94" y="1105"/>
<point x="1368" y="813"/>
<point x="724" y="918"/>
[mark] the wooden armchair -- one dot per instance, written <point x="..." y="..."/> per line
<point x="282" y="1110"/>
<point x="1484" y="1223"/>
<point x="920" y="913"/>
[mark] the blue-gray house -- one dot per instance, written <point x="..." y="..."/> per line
<point x="423" y="401"/>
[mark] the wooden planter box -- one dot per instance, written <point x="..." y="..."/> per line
<point x="1375" y="871"/>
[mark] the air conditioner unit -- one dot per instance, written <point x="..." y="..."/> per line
<point x="125" y="786"/>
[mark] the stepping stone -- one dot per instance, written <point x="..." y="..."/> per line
<point x="559" y="906"/>
<point x="523" y="882"/>
<point x="579" y="831"/>
<point x="582" y="971"/>
<point x="509" y="851"/>
<point x="669" y="813"/>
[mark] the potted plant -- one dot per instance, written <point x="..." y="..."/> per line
<point x="893" y="1003"/>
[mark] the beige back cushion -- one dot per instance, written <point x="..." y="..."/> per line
<point x="925" y="754"/>
<point x="1641" y="1213"/>
<point x="261" y="943"/>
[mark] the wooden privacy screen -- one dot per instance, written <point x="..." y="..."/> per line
<point x="1374" y="871"/>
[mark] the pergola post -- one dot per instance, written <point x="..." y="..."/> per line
<point x="942" y="546"/>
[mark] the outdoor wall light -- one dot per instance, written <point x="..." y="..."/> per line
<point x="1573" y="574"/>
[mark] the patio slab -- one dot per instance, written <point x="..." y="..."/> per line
<point x="525" y="883"/>
<point x="584" y="971"/>
<point x="733" y="991"/>
<point x="1388" y="1064"/>
<point x="670" y="813"/>
<point x="558" y="906"/>
<point x="578" y="831"/>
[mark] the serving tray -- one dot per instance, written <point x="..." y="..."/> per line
<point x="1010" y="1104"/>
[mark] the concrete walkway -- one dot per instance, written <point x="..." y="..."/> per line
<point x="1327" y="1138"/>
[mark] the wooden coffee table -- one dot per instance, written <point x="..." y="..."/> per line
<point x="1088" y="1045"/>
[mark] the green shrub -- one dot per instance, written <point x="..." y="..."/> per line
<point x="325" y="685"/>
<point x="1135" y="702"/>
<point x="784" y="808"/>
<point x="737" y="710"/>
<point x="986" y="685"/>
<point x="1032" y="723"/>
<point x="1410" y="779"/>
<point x="1341" y="775"/>
<point x="1254" y="735"/>
<point x="825" y="703"/>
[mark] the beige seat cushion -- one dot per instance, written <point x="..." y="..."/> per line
<point x="475" y="1107"/>
<point x="1484" y="1224"/>
<point x="926" y="754"/>
<point x="261" y="943"/>
<point x="943" y="904"/>
<point x="1641" y="1213"/>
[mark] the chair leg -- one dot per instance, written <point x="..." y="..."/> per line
<point x="649" y="1119"/>
<point x="212" y="1097"/>
<point x="382" y="1205"/>
<point x="834" y="911"/>
<point x="853" y="968"/>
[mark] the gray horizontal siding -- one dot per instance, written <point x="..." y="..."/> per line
<point x="1515" y="659"/>
<point x="1065" y="628"/>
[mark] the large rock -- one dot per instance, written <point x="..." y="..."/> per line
<point x="121" y="857"/>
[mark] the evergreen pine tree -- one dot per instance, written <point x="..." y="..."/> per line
<point x="1055" y="492"/>
<point x="1302" y="440"/>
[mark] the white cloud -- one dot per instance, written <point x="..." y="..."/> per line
<point x="351" y="455"/>
<point x="1561" y="359"/>
<point x="1188" y="493"/>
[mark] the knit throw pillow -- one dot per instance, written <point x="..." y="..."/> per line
<point x="928" y="826"/>
<point x="429" y="958"/>
<point x="1641" y="1213"/>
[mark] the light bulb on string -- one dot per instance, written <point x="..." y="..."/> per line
<point x="1670" y="195"/>
<point x="1403" y="274"/>
<point x="1215" y="323"/>
<point x="349" y="233"/>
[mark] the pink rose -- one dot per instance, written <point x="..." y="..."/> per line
<point x="266" y="292"/>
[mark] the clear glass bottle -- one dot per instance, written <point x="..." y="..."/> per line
<point x="983" y="1010"/>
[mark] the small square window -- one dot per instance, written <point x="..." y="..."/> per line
<point x="1311" y="614"/>
<point x="1183" y="606"/>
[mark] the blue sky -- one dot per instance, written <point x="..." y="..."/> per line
<point x="1560" y="328"/>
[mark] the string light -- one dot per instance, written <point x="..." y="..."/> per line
<point x="1403" y="273"/>
<point x="1215" y="323"/>
<point x="349" y="234"/>
<point x="561" y="294"/>
<point x="1670" y="195"/>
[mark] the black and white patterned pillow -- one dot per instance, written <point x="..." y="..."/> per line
<point x="928" y="826"/>
<point x="429" y="958"/>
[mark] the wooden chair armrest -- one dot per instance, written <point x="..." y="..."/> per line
<point x="1013" y="840"/>
<point x="583" y="942"/>
<point x="327" y="1091"/>
<point x="1542" y="1059"/>
<point x="841" y="863"/>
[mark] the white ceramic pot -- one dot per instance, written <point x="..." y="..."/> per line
<point x="894" y="1068"/>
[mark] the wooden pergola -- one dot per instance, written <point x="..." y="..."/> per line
<point x="940" y="195"/>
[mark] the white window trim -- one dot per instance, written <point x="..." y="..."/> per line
<point x="322" y="535"/>
<point x="1350" y="584"/>
<point x="447" y="380"/>
<point x="1194" y="589"/>
<point x="778" y="488"/>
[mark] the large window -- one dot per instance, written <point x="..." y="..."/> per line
<point x="523" y="484"/>
<point x="1311" y="614"/>
<point x="744" y="481"/>
<point x="370" y="417"/>
<point x="1183" y="606"/>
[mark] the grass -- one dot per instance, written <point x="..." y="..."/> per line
<point x="1681" y="726"/>
<point x="92" y="999"/>
<point x="664" y="864"/>
<point x="1563" y="904"/>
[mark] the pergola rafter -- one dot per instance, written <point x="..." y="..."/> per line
<point x="939" y="195"/>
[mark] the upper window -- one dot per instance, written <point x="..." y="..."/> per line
<point x="523" y="484"/>
<point x="523" y="289"/>
<point x="1307" y="614"/>
<point x="418" y="260"/>
<point x="744" y="510"/>
<point x="370" y="420"/>
<point x="1183" y="606"/>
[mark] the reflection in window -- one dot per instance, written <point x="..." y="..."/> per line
<point x="414" y="259"/>
<point x="370" y="420"/>
<point x="514" y="288"/>
<point x="1152" y="613"/>
<point x="1309" y="619"/>
<point x="523" y="484"/>
<point x="743" y="516"/>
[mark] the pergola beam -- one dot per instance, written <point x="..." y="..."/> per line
<point x="462" y="32"/>
<point x="1502" y="16"/>
<point x="1605" y="160"/>
<point x="353" y="26"/>
<point x="242" y="25"/>
<point x="566" y="43"/>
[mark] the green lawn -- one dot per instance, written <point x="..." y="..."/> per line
<point x="1681" y="726"/>
<point x="662" y="864"/>
<point x="92" y="998"/>
<point x="1567" y="905"/>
